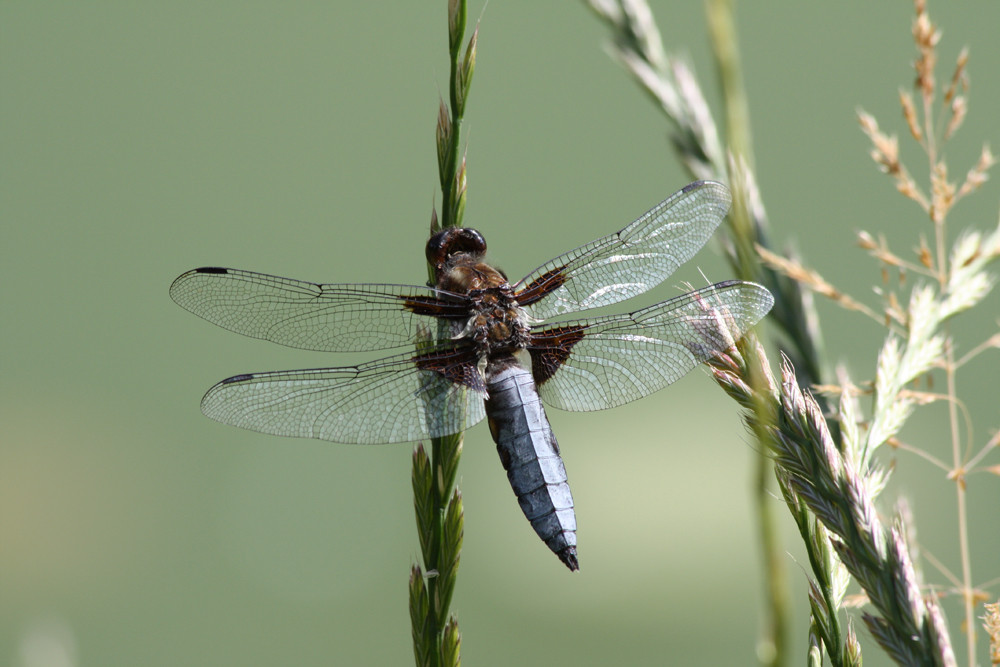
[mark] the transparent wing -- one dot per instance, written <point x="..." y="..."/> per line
<point x="622" y="265"/>
<point x="384" y="401"/>
<point x="314" y="316"/>
<point x="609" y="361"/>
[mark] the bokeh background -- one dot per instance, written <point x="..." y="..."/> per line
<point x="143" y="139"/>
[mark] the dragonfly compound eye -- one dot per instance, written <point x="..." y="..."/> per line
<point x="454" y="240"/>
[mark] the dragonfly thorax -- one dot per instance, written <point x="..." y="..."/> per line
<point x="497" y="325"/>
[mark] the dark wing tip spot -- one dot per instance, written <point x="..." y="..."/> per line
<point x="237" y="378"/>
<point x="695" y="185"/>
<point x="211" y="269"/>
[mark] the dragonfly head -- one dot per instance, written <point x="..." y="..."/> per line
<point x="452" y="241"/>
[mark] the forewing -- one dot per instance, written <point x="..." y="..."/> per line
<point x="385" y="401"/>
<point x="609" y="361"/>
<point x="315" y="316"/>
<point x="622" y="265"/>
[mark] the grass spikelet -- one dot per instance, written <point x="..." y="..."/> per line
<point x="826" y="457"/>
<point x="437" y="504"/>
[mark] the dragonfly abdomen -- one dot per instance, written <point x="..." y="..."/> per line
<point x="530" y="454"/>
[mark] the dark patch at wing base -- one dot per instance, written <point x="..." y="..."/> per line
<point x="541" y="286"/>
<point x="458" y="367"/>
<point x="549" y="349"/>
<point x="434" y="307"/>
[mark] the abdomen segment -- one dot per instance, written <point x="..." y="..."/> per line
<point x="530" y="455"/>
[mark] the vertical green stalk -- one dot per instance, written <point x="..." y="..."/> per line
<point x="451" y="172"/>
<point x="773" y="650"/>
<point x="437" y="504"/>
<point x="672" y="85"/>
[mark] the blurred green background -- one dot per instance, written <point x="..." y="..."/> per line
<point x="143" y="139"/>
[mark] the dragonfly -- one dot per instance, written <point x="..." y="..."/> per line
<point x="475" y="346"/>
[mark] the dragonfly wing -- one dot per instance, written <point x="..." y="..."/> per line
<point x="384" y="401"/>
<point x="315" y="316"/>
<point x="622" y="265"/>
<point x="609" y="361"/>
